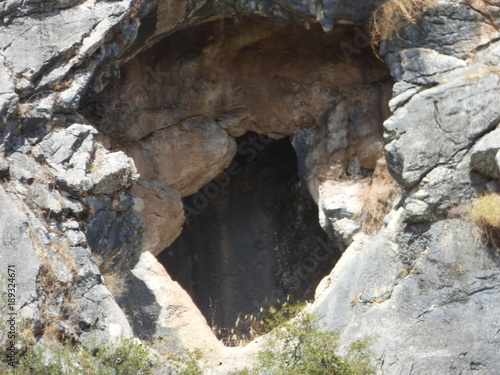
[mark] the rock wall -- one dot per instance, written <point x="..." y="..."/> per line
<point x="426" y="287"/>
<point x="111" y="112"/>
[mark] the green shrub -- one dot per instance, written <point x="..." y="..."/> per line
<point x="128" y="358"/>
<point x="189" y="364"/>
<point x="300" y="349"/>
<point x="486" y="215"/>
<point x="276" y="317"/>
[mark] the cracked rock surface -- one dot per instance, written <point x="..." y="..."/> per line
<point x="112" y="111"/>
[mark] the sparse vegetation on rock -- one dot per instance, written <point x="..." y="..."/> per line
<point x="125" y="358"/>
<point x="301" y="348"/>
<point x="486" y="214"/>
<point x="388" y="16"/>
<point x="112" y="113"/>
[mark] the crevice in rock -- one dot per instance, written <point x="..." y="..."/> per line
<point x="252" y="242"/>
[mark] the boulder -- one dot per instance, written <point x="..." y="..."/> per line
<point x="186" y="156"/>
<point x="174" y="322"/>
<point x="410" y="288"/>
<point x="160" y="208"/>
<point x="485" y="155"/>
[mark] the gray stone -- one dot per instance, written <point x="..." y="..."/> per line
<point x="450" y="29"/>
<point x="439" y="122"/>
<point x="58" y="148"/>
<point x="340" y="200"/>
<point x="80" y="24"/>
<point x="75" y="181"/>
<point x="54" y="202"/>
<point x="8" y="97"/>
<point x="24" y="168"/>
<point x="9" y="6"/>
<point x="98" y="309"/>
<point x="421" y="64"/>
<point x="76" y="237"/>
<point x="18" y="250"/>
<point x="497" y="159"/>
<point x="71" y="224"/>
<point x="485" y="155"/>
<point x="346" y="229"/>
<point x="4" y="167"/>
<point x="112" y="172"/>
<point x="411" y="289"/>
<point x="111" y="234"/>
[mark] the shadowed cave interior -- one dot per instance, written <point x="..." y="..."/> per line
<point x="252" y="238"/>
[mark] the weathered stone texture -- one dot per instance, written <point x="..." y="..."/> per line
<point x="169" y="110"/>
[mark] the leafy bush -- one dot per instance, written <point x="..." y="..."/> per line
<point x="486" y="215"/>
<point x="300" y="349"/>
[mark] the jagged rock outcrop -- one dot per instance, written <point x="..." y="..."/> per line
<point x="432" y="298"/>
<point x="417" y="284"/>
<point x="447" y="86"/>
<point x="112" y="111"/>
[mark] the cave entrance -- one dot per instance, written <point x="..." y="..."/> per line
<point x="251" y="239"/>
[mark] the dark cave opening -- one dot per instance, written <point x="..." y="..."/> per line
<point x="252" y="238"/>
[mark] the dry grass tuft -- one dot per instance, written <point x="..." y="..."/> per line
<point x="115" y="281"/>
<point x="388" y="16"/>
<point x="249" y="326"/>
<point x="486" y="215"/>
<point x="56" y="303"/>
<point x="377" y="202"/>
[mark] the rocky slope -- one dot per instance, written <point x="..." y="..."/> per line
<point x="112" y="112"/>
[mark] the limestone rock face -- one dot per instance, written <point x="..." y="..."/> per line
<point x="153" y="203"/>
<point x="484" y="155"/>
<point x="443" y="104"/>
<point x="55" y="274"/>
<point x="416" y="280"/>
<point x="176" y="110"/>
<point x="175" y="317"/>
<point x="185" y="157"/>
<point x="111" y="112"/>
<point x="409" y="288"/>
<point x="18" y="249"/>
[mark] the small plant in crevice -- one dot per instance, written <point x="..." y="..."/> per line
<point x="275" y="317"/>
<point x="387" y="18"/>
<point x="300" y="348"/>
<point x="189" y="363"/>
<point x="55" y="304"/>
<point x="486" y="214"/>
